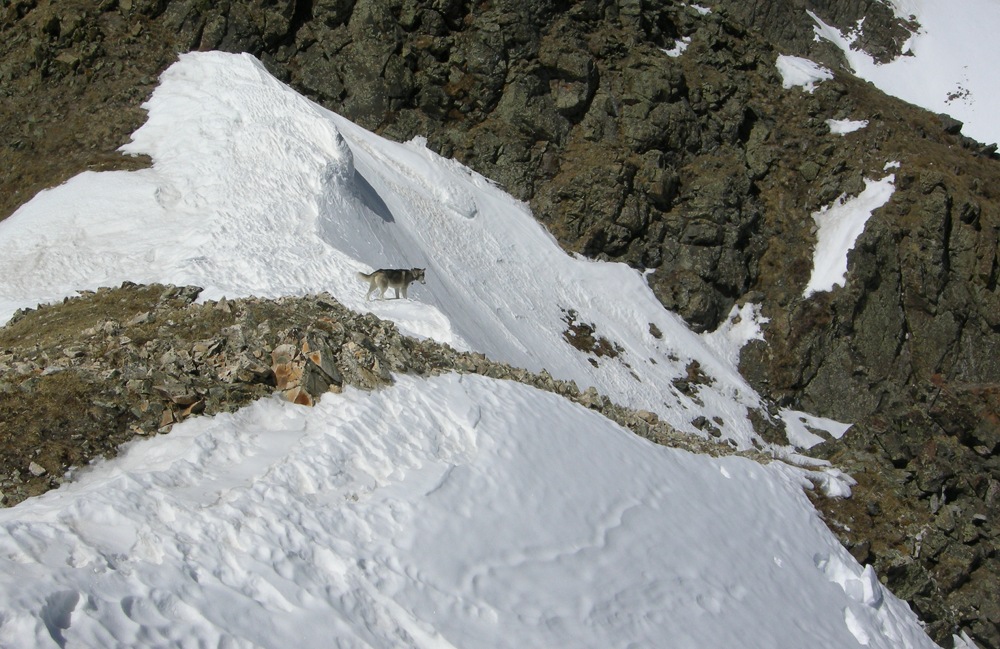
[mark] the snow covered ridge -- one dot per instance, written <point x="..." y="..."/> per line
<point x="255" y="190"/>
<point x="452" y="511"/>
<point x="456" y="511"/>
<point x="214" y="357"/>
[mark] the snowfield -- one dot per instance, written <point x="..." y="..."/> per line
<point x="449" y="512"/>
<point x="457" y="511"/>
<point x="838" y="226"/>
<point x="943" y="67"/>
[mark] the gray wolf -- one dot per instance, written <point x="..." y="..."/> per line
<point x="398" y="279"/>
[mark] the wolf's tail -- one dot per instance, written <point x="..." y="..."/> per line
<point x="365" y="277"/>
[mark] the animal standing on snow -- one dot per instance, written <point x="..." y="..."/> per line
<point x="395" y="278"/>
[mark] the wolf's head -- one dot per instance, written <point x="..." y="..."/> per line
<point x="418" y="275"/>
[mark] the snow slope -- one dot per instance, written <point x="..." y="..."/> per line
<point x="450" y="512"/>
<point x="457" y="511"/>
<point x="946" y="66"/>
<point x="256" y="190"/>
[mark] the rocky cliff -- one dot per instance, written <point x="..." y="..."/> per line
<point x="659" y="135"/>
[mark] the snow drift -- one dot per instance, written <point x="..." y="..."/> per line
<point x="450" y="512"/>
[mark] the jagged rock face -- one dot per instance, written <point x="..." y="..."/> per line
<point x="907" y="350"/>
<point x="700" y="167"/>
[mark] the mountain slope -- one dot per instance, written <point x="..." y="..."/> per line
<point x="255" y="190"/>
<point x="455" y="511"/>
<point x="697" y="165"/>
<point x="559" y="527"/>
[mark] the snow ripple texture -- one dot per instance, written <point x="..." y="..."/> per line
<point x="457" y="511"/>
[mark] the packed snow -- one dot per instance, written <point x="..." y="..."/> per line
<point x="838" y="226"/>
<point x="941" y="68"/>
<point x="457" y="511"/>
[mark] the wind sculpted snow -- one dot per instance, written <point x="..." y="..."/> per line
<point x="446" y="512"/>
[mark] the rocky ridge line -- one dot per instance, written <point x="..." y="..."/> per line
<point x="80" y="378"/>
